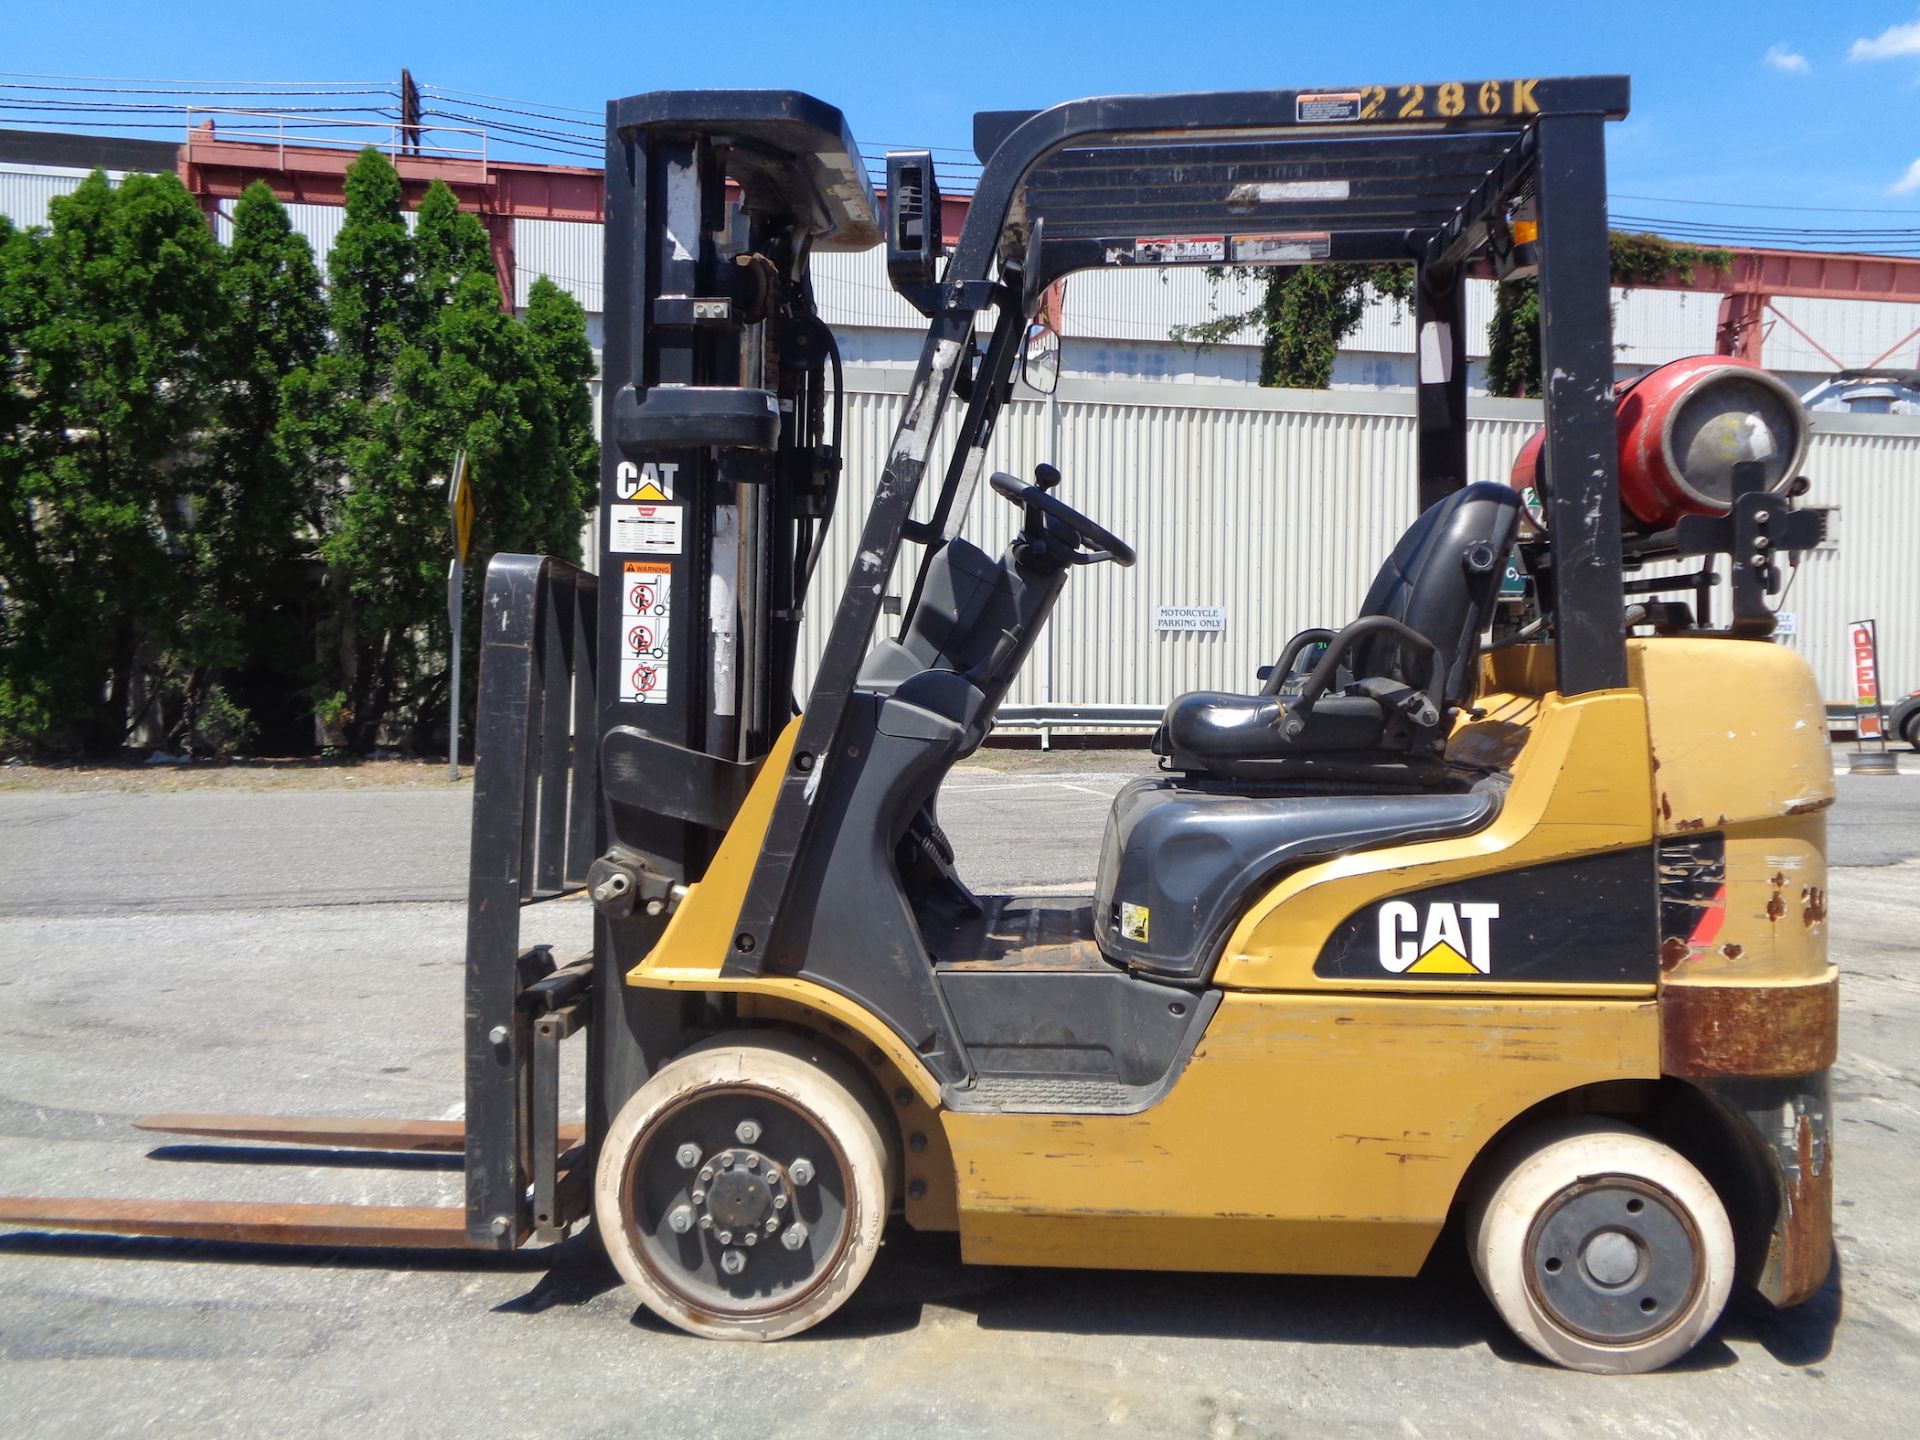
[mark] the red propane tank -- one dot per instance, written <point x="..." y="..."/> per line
<point x="1681" y="428"/>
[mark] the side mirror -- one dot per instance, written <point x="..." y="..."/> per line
<point x="1040" y="358"/>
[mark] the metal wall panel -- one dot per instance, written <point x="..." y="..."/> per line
<point x="1850" y="332"/>
<point x="566" y="253"/>
<point x="1279" y="505"/>
<point x="25" y="190"/>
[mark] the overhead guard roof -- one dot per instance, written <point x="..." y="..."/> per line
<point x="1354" y="173"/>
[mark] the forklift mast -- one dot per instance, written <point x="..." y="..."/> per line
<point x="719" y="466"/>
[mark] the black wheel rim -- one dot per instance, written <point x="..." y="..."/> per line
<point x="737" y="1188"/>
<point x="1614" y="1260"/>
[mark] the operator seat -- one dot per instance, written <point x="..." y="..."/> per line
<point x="1387" y="686"/>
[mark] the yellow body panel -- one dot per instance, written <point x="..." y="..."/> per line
<point x="1580" y="785"/>
<point x="699" y="936"/>
<point x="1314" y="1134"/>
<point x="1739" y="740"/>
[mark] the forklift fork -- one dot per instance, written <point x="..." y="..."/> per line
<point x="534" y="815"/>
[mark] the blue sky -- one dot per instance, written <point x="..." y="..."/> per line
<point x="1762" y="102"/>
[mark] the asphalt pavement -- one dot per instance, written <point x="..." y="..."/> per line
<point x="299" y="952"/>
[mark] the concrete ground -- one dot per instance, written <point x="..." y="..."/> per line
<point x="299" y="951"/>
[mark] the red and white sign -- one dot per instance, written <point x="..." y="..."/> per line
<point x="646" y="597"/>
<point x="1866" y="679"/>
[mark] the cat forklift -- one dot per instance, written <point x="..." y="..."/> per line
<point x="1521" y="938"/>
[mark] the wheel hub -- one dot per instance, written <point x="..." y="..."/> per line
<point x="747" y="1192"/>
<point x="729" y="1205"/>
<point x="1614" y="1260"/>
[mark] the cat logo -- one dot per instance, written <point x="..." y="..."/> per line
<point x="1452" y="938"/>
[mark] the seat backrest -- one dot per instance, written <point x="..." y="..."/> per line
<point x="968" y="608"/>
<point x="1442" y="580"/>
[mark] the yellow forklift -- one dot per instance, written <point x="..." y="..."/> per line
<point x="1526" y="933"/>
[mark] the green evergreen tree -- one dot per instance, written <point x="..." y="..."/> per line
<point x="113" y="316"/>
<point x="260" y="480"/>
<point x="565" y="466"/>
<point x="455" y="382"/>
<point x="344" y="414"/>
<point x="370" y="277"/>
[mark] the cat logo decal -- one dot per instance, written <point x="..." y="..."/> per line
<point x="1443" y="937"/>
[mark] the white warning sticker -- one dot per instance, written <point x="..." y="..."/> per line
<point x="1281" y="249"/>
<point x="1175" y="249"/>
<point x="644" y="529"/>
<point x="646" y="608"/>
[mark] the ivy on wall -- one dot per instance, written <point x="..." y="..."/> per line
<point x="1303" y="314"/>
<point x="1513" y="335"/>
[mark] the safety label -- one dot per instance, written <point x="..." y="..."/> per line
<point x="1336" y="107"/>
<point x="644" y="529"/>
<point x="646" y="610"/>
<point x="1281" y="249"/>
<point x="1173" y="248"/>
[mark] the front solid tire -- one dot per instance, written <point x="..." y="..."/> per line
<point x="1603" y="1249"/>
<point x="797" y="1100"/>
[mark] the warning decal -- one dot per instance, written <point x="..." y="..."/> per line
<point x="644" y="529"/>
<point x="646" y="608"/>
<point x="1281" y="249"/>
<point x="1336" y="107"/>
<point x="1174" y="248"/>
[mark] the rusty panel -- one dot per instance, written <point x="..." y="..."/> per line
<point x="440" y="1136"/>
<point x="440" y="1227"/>
<point x="1749" y="1030"/>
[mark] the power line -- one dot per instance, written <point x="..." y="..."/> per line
<point x="509" y="100"/>
<point x="150" y="80"/>
<point x="1745" y="205"/>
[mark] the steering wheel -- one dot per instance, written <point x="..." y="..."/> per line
<point x="1037" y="500"/>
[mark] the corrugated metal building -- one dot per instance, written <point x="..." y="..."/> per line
<point x="1278" y="505"/>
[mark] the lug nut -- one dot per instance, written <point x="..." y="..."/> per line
<point x="726" y="1162"/>
<point x="725" y="1237"/>
<point x="753" y="1237"/>
<point x="779" y="1202"/>
<point x="699" y="1197"/>
<point x="753" y="1162"/>
<point x="706" y="1174"/>
<point x="773" y="1223"/>
<point x="801" y="1171"/>
<point x="747" y="1131"/>
<point x="688" y="1155"/>
<point x="706" y="1222"/>
<point x="680" y="1219"/>
<point x="795" y="1237"/>
<point x="733" y="1261"/>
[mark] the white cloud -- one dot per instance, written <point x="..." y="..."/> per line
<point x="1786" y="58"/>
<point x="1894" y="41"/>
<point x="1908" y="183"/>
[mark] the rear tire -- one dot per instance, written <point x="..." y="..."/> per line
<point x="1603" y="1249"/>
<point x="710" y="1245"/>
